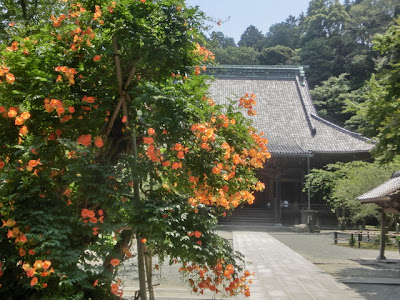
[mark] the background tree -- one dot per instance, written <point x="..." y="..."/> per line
<point x="218" y="40"/>
<point x="345" y="48"/>
<point x="381" y="111"/>
<point x="286" y="33"/>
<point x="278" y="55"/>
<point x="252" y="37"/>
<point x="236" y="56"/>
<point x="367" y="18"/>
<point x="318" y="55"/>
<point x="355" y="101"/>
<point x="341" y="183"/>
<point x="323" y="27"/>
<point x="330" y="99"/>
<point x="325" y="18"/>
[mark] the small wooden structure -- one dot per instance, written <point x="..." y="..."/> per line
<point x="387" y="197"/>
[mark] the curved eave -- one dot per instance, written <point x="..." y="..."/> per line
<point x="280" y="154"/>
<point x="341" y="152"/>
<point x="374" y="200"/>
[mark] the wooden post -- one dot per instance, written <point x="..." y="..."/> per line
<point x="359" y="240"/>
<point x="335" y="237"/>
<point x="383" y="236"/>
<point x="398" y="244"/>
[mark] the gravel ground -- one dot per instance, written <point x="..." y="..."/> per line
<point x="350" y="264"/>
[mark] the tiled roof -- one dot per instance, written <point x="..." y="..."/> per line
<point x="383" y="191"/>
<point x="285" y="112"/>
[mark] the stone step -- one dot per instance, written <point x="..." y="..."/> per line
<point x="248" y="220"/>
<point x="174" y="294"/>
<point x="260" y="213"/>
<point x="252" y="213"/>
<point x="253" y="210"/>
<point x="244" y="217"/>
<point x="253" y="218"/>
<point x="260" y="216"/>
<point x="253" y="227"/>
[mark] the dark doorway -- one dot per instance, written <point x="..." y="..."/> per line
<point x="291" y="192"/>
<point x="260" y="200"/>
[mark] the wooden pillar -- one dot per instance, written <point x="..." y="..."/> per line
<point x="383" y="236"/>
<point x="303" y="168"/>
<point x="277" y="202"/>
<point x="308" y="187"/>
<point x="265" y="193"/>
<point x="270" y="192"/>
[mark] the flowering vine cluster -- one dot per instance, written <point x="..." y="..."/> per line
<point x="101" y="130"/>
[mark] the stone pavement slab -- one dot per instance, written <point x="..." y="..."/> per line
<point x="281" y="273"/>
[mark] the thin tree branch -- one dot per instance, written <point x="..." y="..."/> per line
<point x="125" y="112"/>
<point x="134" y="143"/>
<point x="122" y="92"/>
<point x="119" y="70"/>
<point x="131" y="74"/>
<point x="113" y="117"/>
<point x="23" y="6"/>
<point x="117" y="62"/>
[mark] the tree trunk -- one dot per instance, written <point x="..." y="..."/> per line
<point x="132" y="149"/>
<point x="149" y="264"/>
<point x="141" y="267"/>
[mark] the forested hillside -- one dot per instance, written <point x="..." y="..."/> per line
<point x="335" y="40"/>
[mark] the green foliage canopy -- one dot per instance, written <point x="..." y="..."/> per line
<point x="381" y="111"/>
<point x="236" y="56"/>
<point x="252" y="37"/>
<point x="330" y="99"/>
<point x="278" y="55"/>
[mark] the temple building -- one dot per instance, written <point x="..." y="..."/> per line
<point x="299" y="139"/>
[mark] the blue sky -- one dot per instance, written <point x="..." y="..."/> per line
<point x="242" y="14"/>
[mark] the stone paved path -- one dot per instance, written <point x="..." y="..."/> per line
<point x="281" y="273"/>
